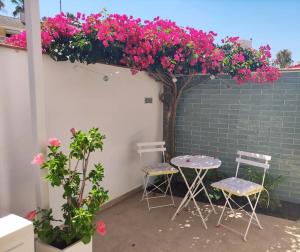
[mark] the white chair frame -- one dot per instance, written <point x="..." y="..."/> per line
<point x="262" y="162"/>
<point x="152" y="147"/>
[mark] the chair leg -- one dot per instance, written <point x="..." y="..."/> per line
<point x="145" y="188"/>
<point x="146" y="191"/>
<point x="169" y="177"/>
<point x="230" y="206"/>
<point x="253" y="215"/>
<point x="223" y="210"/>
<point x="167" y="188"/>
<point x="256" y="218"/>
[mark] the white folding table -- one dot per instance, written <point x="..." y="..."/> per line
<point x="200" y="164"/>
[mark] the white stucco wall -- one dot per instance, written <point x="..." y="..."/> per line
<point x="16" y="185"/>
<point x="76" y="96"/>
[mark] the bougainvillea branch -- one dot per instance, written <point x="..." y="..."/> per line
<point x="160" y="47"/>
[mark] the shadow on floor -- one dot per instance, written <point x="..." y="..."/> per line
<point x="288" y="210"/>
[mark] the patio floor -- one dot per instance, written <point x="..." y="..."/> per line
<point x="131" y="227"/>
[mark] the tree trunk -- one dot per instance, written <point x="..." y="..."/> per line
<point x="171" y="96"/>
<point x="169" y="126"/>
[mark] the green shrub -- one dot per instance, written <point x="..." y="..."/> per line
<point x="267" y="198"/>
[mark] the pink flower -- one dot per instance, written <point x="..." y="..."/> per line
<point x="165" y="62"/>
<point x="54" y="142"/>
<point x="73" y="131"/>
<point x="143" y="45"/>
<point x="38" y="159"/>
<point x="17" y="40"/>
<point x="31" y="215"/>
<point x="136" y="59"/>
<point x="238" y="58"/>
<point x="46" y="38"/>
<point x="105" y="43"/>
<point x="233" y="39"/>
<point x="193" y="62"/>
<point x="101" y="228"/>
<point x="176" y="57"/>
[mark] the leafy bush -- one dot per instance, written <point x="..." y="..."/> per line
<point x="267" y="197"/>
<point x="211" y="177"/>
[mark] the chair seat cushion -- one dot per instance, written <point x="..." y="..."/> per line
<point x="160" y="169"/>
<point x="238" y="186"/>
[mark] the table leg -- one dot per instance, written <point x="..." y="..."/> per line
<point x="211" y="204"/>
<point x="196" y="186"/>
<point x="187" y="195"/>
<point x="202" y="188"/>
<point x="191" y="194"/>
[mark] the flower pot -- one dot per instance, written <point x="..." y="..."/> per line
<point x="76" y="247"/>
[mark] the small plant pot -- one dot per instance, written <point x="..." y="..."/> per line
<point x="76" y="247"/>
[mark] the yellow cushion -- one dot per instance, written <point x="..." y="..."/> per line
<point x="238" y="186"/>
<point x="160" y="169"/>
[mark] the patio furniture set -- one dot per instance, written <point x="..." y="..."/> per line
<point x="201" y="164"/>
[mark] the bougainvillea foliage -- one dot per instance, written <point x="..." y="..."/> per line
<point x="171" y="54"/>
<point x="157" y="45"/>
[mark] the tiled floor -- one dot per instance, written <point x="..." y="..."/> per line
<point x="131" y="227"/>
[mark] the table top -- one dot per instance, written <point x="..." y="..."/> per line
<point x="196" y="162"/>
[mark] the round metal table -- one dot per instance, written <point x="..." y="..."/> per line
<point x="200" y="164"/>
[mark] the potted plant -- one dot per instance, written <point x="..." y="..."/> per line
<point x="73" y="233"/>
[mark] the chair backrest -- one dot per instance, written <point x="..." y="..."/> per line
<point x="151" y="147"/>
<point x="253" y="159"/>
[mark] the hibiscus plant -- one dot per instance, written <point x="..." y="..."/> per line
<point x="72" y="174"/>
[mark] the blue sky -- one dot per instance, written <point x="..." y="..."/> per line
<point x="273" y="22"/>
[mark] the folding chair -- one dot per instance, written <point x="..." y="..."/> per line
<point x="244" y="188"/>
<point x="159" y="169"/>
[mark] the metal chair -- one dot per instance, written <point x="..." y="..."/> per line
<point x="244" y="188"/>
<point x="159" y="169"/>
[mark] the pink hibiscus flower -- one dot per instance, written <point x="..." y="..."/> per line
<point x="38" y="159"/>
<point x="54" y="142"/>
<point x="73" y="131"/>
<point x="101" y="228"/>
<point x="31" y="215"/>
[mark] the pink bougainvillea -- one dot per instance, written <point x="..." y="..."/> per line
<point x="17" y="40"/>
<point x="156" y="45"/>
<point x="59" y="26"/>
